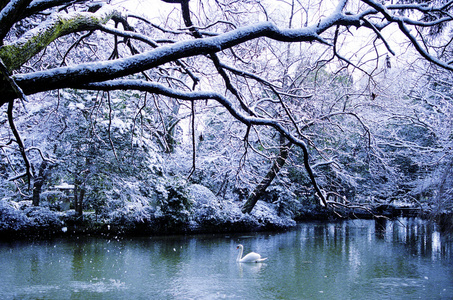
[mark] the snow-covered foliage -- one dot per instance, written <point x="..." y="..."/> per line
<point x="207" y="215"/>
<point x="207" y="208"/>
<point x="212" y="213"/>
<point x="55" y="200"/>
<point x="15" y="218"/>
<point x="11" y="217"/>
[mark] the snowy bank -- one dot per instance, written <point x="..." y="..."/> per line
<point x="195" y="209"/>
<point x="207" y="214"/>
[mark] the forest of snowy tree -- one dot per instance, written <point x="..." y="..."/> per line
<point x="207" y="111"/>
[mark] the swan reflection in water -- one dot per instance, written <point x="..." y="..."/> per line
<point x="250" y="270"/>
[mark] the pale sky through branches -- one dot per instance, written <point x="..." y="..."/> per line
<point x="359" y="46"/>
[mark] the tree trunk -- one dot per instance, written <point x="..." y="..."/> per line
<point x="79" y="209"/>
<point x="79" y="192"/>
<point x="39" y="182"/>
<point x="260" y="189"/>
<point x="37" y="185"/>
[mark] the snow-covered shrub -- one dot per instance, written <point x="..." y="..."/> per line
<point x="131" y="216"/>
<point x="42" y="217"/>
<point x="286" y="202"/>
<point x="11" y="218"/>
<point x="173" y="203"/>
<point x="207" y="210"/>
<point x="210" y="214"/>
<point x="267" y="214"/>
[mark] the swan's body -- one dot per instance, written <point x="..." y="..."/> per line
<point x="252" y="257"/>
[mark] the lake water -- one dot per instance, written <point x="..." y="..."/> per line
<point x="408" y="259"/>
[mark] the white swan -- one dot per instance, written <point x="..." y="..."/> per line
<point x="252" y="257"/>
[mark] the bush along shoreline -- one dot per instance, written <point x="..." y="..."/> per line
<point x="205" y="214"/>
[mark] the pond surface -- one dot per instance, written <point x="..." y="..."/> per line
<point x="408" y="259"/>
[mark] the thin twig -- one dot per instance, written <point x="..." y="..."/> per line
<point x="194" y="155"/>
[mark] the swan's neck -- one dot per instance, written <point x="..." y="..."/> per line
<point x="241" y="249"/>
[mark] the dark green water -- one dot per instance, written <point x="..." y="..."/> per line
<point x="410" y="259"/>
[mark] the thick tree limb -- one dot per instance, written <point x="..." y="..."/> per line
<point x="95" y="72"/>
<point x="16" y="54"/>
<point x="152" y="43"/>
<point x="85" y="73"/>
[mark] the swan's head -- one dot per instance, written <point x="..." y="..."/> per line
<point x="239" y="247"/>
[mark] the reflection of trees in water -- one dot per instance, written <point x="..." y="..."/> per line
<point x="422" y="237"/>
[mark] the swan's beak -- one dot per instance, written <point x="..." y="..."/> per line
<point x="237" y="247"/>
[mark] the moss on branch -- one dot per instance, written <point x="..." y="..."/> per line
<point x="18" y="53"/>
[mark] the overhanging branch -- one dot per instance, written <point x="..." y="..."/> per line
<point x="96" y="72"/>
<point x="16" y="54"/>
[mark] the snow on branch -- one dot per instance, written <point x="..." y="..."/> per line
<point x="422" y="7"/>
<point x="404" y="21"/>
<point x="100" y="71"/>
<point x="10" y="13"/>
<point x="40" y="5"/>
<point x="57" y="25"/>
